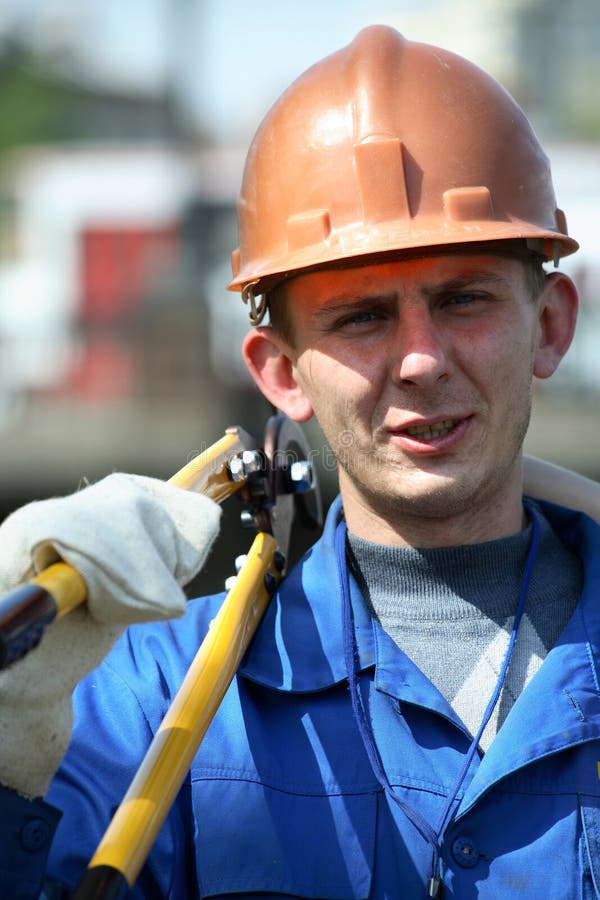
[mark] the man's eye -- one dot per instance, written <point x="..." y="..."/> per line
<point x="464" y="300"/>
<point x="359" y="318"/>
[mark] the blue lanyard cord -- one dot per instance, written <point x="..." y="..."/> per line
<point x="362" y="719"/>
<point x="434" y="836"/>
<point x="446" y="816"/>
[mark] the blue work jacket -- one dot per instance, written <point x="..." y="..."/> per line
<point x="282" y="799"/>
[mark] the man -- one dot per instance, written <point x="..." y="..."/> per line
<point x="418" y="713"/>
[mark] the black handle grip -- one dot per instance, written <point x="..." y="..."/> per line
<point x="24" y="614"/>
<point x="102" y="883"/>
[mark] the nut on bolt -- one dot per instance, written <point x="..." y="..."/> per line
<point x="246" y="463"/>
<point x="247" y="519"/>
<point x="301" y="476"/>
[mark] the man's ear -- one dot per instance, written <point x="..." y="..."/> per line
<point x="270" y="362"/>
<point x="557" y="318"/>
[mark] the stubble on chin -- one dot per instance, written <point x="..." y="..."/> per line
<point x="399" y="490"/>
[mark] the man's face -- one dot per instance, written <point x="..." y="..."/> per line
<point x="419" y="373"/>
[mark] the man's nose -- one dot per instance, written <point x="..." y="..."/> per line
<point x="420" y="352"/>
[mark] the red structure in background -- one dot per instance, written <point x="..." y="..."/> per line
<point x="117" y="266"/>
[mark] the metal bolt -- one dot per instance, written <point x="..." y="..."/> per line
<point x="249" y="462"/>
<point x="252" y="461"/>
<point x="301" y="476"/>
<point x="236" y="468"/>
<point x="247" y="519"/>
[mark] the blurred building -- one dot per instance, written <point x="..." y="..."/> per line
<point x="107" y="336"/>
<point x="558" y="65"/>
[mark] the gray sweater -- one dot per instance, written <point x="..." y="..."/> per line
<point x="451" y="611"/>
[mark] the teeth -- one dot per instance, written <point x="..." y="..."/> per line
<point x="428" y="432"/>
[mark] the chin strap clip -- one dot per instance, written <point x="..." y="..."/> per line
<point x="258" y="306"/>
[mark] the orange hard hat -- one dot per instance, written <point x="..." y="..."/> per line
<point x="389" y="145"/>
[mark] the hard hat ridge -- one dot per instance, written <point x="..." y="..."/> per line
<point x="379" y="154"/>
<point x="385" y="146"/>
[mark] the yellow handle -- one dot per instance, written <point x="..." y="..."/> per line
<point x="62" y="581"/>
<point x="138" y="819"/>
<point x="207" y="472"/>
<point x="136" y="823"/>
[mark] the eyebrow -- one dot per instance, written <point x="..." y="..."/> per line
<point x="346" y="301"/>
<point x="467" y="279"/>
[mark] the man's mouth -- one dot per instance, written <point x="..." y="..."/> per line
<point x="432" y="431"/>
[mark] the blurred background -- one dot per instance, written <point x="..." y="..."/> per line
<point x="123" y="129"/>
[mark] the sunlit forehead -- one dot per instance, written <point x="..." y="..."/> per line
<point x="425" y="275"/>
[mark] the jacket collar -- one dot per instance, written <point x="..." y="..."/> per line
<point x="560" y="707"/>
<point x="299" y="644"/>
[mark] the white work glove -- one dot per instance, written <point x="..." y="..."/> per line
<point x="136" y="541"/>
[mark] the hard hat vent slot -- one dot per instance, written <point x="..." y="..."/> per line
<point x="561" y="221"/>
<point x="381" y="179"/>
<point x="468" y="204"/>
<point x="306" y="228"/>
